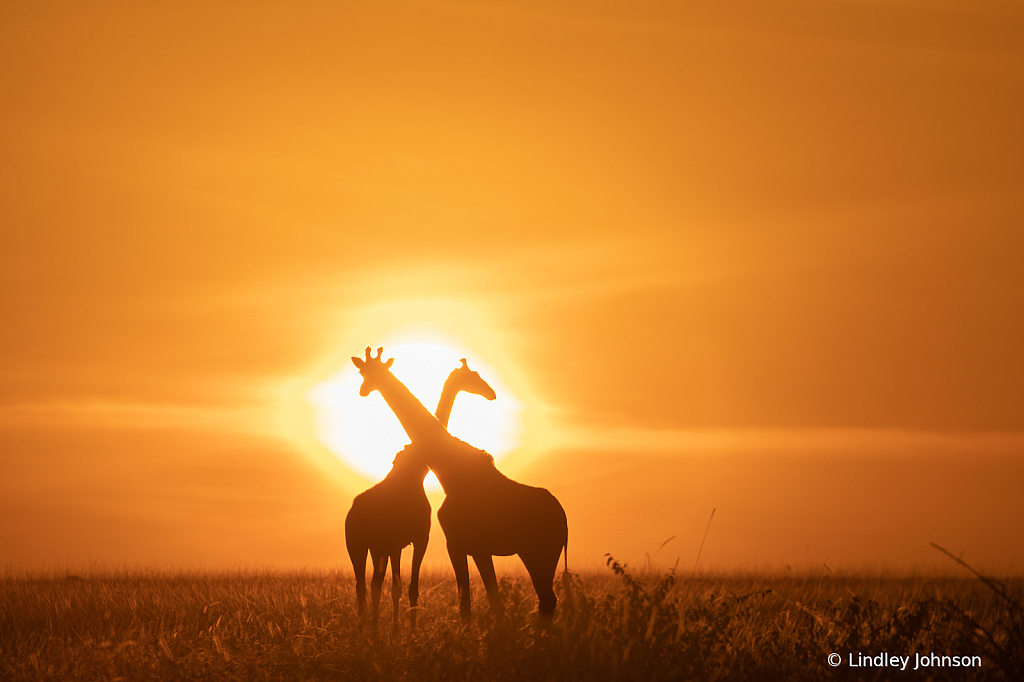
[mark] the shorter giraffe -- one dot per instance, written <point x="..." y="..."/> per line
<point x="395" y="512"/>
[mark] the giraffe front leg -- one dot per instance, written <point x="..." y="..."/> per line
<point x="358" y="557"/>
<point x="460" y="562"/>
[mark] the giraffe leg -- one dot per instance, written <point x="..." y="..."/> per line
<point x="541" y="567"/>
<point x="396" y="588"/>
<point x="358" y="557"/>
<point x="485" y="564"/>
<point x="418" y="550"/>
<point x="380" y="564"/>
<point x="460" y="562"/>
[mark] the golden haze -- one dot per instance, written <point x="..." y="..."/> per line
<point x="762" y="258"/>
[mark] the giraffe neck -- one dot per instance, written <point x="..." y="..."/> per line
<point x="445" y="402"/>
<point x="418" y="423"/>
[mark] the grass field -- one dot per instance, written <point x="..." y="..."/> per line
<point x="610" y="625"/>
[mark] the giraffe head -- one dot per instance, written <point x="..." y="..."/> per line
<point x="464" y="379"/>
<point x="373" y="370"/>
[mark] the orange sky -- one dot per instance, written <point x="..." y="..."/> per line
<point x="762" y="258"/>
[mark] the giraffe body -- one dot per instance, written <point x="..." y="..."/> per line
<point x="487" y="514"/>
<point x="383" y="521"/>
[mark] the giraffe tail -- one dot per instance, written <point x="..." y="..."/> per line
<point x="566" y="547"/>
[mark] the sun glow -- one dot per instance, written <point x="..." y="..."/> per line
<point x="364" y="432"/>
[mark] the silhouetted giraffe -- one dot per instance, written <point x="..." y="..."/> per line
<point x="484" y="513"/>
<point x="395" y="512"/>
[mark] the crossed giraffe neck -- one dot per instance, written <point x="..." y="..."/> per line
<point x="460" y="380"/>
<point x="419" y="424"/>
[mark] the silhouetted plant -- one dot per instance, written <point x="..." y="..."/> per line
<point x="1003" y="639"/>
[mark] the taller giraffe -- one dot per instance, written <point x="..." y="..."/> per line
<point x="389" y="516"/>
<point x="484" y="513"/>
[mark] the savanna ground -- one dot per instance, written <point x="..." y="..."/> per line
<point x="611" y="624"/>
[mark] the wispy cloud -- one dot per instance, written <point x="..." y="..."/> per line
<point x="861" y="441"/>
<point x="113" y="415"/>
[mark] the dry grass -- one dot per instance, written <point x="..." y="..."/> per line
<point x="610" y="625"/>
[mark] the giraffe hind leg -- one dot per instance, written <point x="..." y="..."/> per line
<point x="542" y="567"/>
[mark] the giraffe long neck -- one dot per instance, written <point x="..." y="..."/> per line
<point x="458" y="466"/>
<point x="445" y="402"/>
<point x="418" y="423"/>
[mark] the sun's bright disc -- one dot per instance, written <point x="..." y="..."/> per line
<point x="364" y="432"/>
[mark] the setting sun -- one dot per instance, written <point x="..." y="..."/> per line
<point x="364" y="433"/>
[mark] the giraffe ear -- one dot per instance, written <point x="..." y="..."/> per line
<point x="388" y="363"/>
<point x="358" y="362"/>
